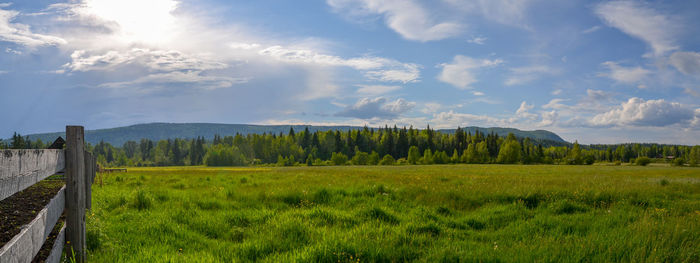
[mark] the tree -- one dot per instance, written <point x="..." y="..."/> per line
<point x="387" y="142"/>
<point x="222" y="155"/>
<point x="146" y="146"/>
<point x="373" y="158"/>
<point x="176" y="153"/>
<point x="306" y="139"/>
<point x="18" y="142"/>
<point x="413" y="155"/>
<point x="402" y="146"/>
<point x="510" y="150"/>
<point x="482" y="152"/>
<point x="694" y="156"/>
<point x="427" y="157"/>
<point x="575" y="156"/>
<point x="129" y="148"/>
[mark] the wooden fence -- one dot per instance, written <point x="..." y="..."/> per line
<point x="20" y="169"/>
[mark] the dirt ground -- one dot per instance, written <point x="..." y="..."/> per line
<point x="21" y="208"/>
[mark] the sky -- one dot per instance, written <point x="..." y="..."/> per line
<point x="590" y="71"/>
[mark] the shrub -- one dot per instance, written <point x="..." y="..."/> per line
<point x="387" y="160"/>
<point x="440" y="157"/>
<point x="360" y="158"/>
<point x="282" y="161"/>
<point x="678" y="162"/>
<point x="642" y="161"/>
<point x="339" y="158"/>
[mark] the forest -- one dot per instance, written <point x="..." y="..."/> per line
<point x="370" y="146"/>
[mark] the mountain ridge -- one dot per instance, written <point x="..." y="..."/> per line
<point x="161" y="130"/>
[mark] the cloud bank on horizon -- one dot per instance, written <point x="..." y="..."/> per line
<point x="596" y="72"/>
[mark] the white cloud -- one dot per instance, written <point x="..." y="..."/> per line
<point x="376" y="68"/>
<point x="431" y="107"/>
<point x="410" y="73"/>
<point x="374" y="90"/>
<point x="461" y="72"/>
<point x="524" y="111"/>
<point x="642" y="21"/>
<point x="556" y="92"/>
<point x="148" y="22"/>
<point x="12" y="51"/>
<point x="478" y="93"/>
<point x="378" y="108"/>
<point x="156" y="60"/>
<point x="591" y="30"/>
<point x="477" y="40"/>
<point x="625" y="75"/>
<point x="556" y="104"/>
<point x="696" y="120"/>
<point x="245" y="46"/>
<point x="638" y="112"/>
<point x="598" y="95"/>
<point x="22" y="34"/>
<point x="507" y="12"/>
<point x="523" y="75"/>
<point x="686" y="62"/>
<point x="549" y="118"/>
<point x="406" y="17"/>
<point x="453" y="119"/>
<point x="3" y="72"/>
<point x="165" y="80"/>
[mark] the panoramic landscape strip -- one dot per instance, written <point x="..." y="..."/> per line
<point x="371" y="146"/>
<point x="349" y="131"/>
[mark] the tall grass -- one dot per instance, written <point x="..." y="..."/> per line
<point x="450" y="213"/>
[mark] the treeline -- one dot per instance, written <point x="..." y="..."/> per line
<point x="384" y="146"/>
<point x="21" y="142"/>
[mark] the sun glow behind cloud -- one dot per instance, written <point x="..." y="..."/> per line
<point x="150" y="22"/>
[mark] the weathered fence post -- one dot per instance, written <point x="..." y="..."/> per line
<point x="75" y="192"/>
<point x="89" y="179"/>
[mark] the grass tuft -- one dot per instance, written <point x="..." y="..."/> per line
<point x="142" y="200"/>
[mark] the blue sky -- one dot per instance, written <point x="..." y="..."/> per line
<point x="596" y="72"/>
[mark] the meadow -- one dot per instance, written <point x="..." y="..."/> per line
<point x="437" y="213"/>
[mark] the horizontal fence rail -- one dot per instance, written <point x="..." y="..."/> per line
<point x="20" y="169"/>
<point x="25" y="245"/>
<point x="57" y="250"/>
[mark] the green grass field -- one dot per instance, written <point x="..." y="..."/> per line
<point x="450" y="213"/>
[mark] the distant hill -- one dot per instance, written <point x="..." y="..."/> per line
<point x="159" y="131"/>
